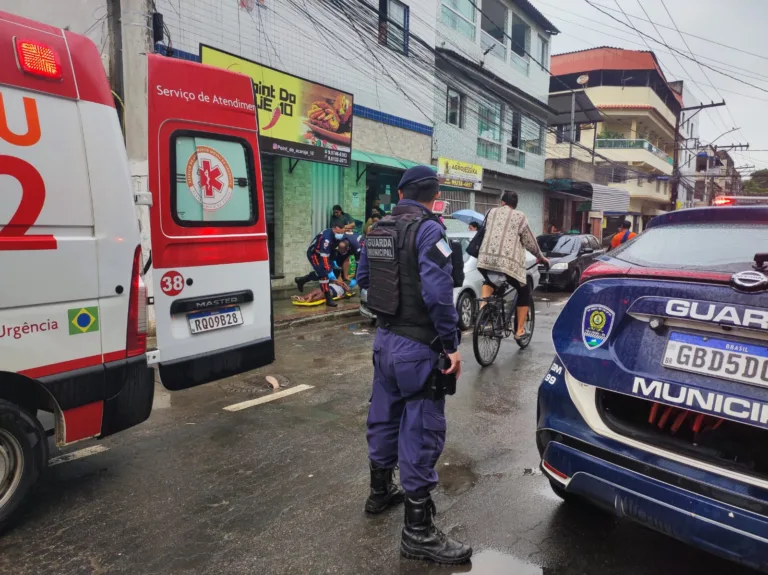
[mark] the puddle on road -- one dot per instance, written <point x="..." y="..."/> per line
<point x="456" y="479"/>
<point x="486" y="562"/>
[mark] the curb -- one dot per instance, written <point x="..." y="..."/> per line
<point x="319" y="318"/>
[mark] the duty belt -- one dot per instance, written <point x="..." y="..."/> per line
<point x="420" y="333"/>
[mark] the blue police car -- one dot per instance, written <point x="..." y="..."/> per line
<point x="656" y="404"/>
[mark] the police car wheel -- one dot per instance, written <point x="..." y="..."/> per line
<point x="23" y="456"/>
<point x="465" y="307"/>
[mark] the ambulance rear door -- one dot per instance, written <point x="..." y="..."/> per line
<point x="210" y="261"/>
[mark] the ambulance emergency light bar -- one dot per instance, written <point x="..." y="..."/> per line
<point x="37" y="59"/>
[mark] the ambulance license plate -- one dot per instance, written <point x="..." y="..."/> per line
<point x="735" y="361"/>
<point x="202" y="321"/>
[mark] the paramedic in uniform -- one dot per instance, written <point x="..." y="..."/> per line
<point x="319" y="255"/>
<point x="410" y="286"/>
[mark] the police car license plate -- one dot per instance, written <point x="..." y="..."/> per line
<point x="202" y="321"/>
<point x="735" y="361"/>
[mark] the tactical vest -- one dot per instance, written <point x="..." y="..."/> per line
<point x="395" y="285"/>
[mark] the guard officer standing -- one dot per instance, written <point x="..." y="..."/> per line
<point x="406" y="267"/>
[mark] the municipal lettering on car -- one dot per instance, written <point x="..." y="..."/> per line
<point x="702" y="400"/>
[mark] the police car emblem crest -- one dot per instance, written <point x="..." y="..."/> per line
<point x="596" y="325"/>
<point x="749" y="281"/>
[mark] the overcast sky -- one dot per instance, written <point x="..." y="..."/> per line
<point x="736" y="23"/>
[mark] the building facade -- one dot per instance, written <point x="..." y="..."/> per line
<point x="490" y="99"/>
<point x="357" y="49"/>
<point x="635" y="139"/>
<point x="714" y="174"/>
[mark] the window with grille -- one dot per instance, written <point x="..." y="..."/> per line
<point x="393" y="25"/>
<point x="455" y="108"/>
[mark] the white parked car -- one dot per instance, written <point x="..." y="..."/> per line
<point x="464" y="297"/>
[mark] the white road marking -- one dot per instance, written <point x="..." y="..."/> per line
<point x="79" y="454"/>
<point x="267" y="398"/>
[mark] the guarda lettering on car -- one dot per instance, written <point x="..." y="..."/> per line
<point x="718" y="313"/>
<point x="737" y="408"/>
<point x="215" y="302"/>
<point x="19" y="331"/>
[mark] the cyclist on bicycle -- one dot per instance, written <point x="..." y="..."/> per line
<point x="507" y="236"/>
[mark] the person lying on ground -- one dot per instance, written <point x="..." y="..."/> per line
<point x="337" y="288"/>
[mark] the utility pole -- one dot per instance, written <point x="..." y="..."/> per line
<point x="676" y="151"/>
<point x="573" y="122"/>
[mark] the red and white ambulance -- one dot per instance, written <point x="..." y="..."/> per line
<point x="73" y="304"/>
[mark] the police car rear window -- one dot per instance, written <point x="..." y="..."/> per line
<point x="704" y="246"/>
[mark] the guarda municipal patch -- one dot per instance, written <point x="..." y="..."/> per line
<point x="596" y="325"/>
<point x="380" y="248"/>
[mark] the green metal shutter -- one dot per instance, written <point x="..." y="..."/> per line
<point x="327" y="184"/>
<point x="268" y="183"/>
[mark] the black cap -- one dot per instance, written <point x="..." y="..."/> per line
<point x="415" y="175"/>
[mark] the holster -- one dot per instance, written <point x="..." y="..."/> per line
<point x="438" y="385"/>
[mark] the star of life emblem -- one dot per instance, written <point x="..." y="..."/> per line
<point x="209" y="178"/>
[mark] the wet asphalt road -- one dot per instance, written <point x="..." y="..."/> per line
<point x="280" y="487"/>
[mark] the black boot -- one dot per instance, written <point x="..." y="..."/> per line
<point x="384" y="492"/>
<point x="422" y="540"/>
<point x="300" y="281"/>
<point x="329" y="300"/>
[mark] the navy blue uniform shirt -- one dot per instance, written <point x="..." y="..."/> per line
<point x="324" y="245"/>
<point x="436" y="280"/>
<point x="355" y="246"/>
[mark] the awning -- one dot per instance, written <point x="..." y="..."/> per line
<point x="585" y="110"/>
<point x="382" y="160"/>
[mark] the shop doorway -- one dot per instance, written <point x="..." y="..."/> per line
<point x="381" y="188"/>
<point x="556" y="214"/>
<point x="327" y="184"/>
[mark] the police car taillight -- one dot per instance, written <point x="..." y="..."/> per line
<point x="136" y="340"/>
<point x="38" y="59"/>
<point x="723" y="201"/>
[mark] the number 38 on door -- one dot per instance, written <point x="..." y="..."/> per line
<point x="172" y="283"/>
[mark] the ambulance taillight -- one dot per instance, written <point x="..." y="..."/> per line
<point x="37" y="59"/>
<point x="136" y="342"/>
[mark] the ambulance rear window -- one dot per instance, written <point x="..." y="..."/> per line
<point x="213" y="180"/>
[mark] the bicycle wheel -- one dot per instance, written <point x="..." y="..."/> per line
<point x="486" y="337"/>
<point x="530" y="323"/>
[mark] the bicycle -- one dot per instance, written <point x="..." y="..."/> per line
<point x="495" y="322"/>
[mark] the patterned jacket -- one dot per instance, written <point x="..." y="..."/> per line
<point x="507" y="236"/>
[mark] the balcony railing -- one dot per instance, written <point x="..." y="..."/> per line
<point x="497" y="48"/>
<point x="625" y="144"/>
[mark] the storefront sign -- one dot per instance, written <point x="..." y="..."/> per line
<point x="460" y="174"/>
<point x="297" y="118"/>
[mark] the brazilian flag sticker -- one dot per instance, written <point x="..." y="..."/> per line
<point x="83" y="320"/>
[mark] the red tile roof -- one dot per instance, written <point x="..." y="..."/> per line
<point x="606" y="58"/>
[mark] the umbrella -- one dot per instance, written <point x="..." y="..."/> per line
<point x="468" y="216"/>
